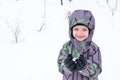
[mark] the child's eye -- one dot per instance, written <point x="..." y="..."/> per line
<point x="76" y="29"/>
<point x="85" y="30"/>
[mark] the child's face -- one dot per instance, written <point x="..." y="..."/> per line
<point x="80" y="32"/>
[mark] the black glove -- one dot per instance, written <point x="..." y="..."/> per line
<point x="81" y="63"/>
<point x="69" y="63"/>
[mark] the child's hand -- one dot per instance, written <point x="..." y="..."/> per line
<point x="81" y="63"/>
<point x="69" y="63"/>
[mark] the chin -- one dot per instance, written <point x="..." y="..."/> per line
<point x="79" y="40"/>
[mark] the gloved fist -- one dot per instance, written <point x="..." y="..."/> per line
<point x="81" y="63"/>
<point x="69" y="63"/>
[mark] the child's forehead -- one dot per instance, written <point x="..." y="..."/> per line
<point x="80" y="26"/>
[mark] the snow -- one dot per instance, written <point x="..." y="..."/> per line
<point x="34" y="56"/>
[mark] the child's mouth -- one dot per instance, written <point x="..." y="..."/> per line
<point x="80" y="36"/>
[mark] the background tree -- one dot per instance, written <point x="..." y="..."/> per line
<point x="112" y="5"/>
<point x="62" y="1"/>
<point x="15" y="26"/>
<point x="44" y="16"/>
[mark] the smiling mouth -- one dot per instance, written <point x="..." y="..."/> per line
<point x="80" y="36"/>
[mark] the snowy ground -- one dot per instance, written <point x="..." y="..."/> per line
<point x="35" y="55"/>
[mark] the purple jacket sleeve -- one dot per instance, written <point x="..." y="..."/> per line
<point x="94" y="66"/>
<point x="62" y="56"/>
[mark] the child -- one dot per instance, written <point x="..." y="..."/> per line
<point x="80" y="58"/>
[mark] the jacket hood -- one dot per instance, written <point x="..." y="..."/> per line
<point x="82" y="17"/>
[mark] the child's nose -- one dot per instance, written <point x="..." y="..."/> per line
<point x="79" y="32"/>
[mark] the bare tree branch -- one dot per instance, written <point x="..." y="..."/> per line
<point x="44" y="17"/>
<point x="68" y="14"/>
<point x="112" y="6"/>
<point x="17" y="31"/>
<point x="106" y="1"/>
<point x="14" y="28"/>
<point x="62" y="1"/>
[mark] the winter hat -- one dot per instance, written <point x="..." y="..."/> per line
<point x="81" y="17"/>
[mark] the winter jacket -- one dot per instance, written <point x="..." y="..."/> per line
<point x="76" y="48"/>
